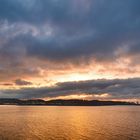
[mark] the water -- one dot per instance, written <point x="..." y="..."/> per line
<point x="69" y="123"/>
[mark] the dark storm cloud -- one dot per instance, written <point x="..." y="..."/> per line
<point x="80" y="29"/>
<point x="102" y="30"/>
<point x="117" y="89"/>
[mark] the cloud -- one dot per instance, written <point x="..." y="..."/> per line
<point x="114" y="89"/>
<point x="21" y="82"/>
<point x="7" y="84"/>
<point x="96" y="31"/>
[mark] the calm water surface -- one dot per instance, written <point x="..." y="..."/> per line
<point x="69" y="123"/>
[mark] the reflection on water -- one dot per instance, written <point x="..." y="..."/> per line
<point x="69" y="123"/>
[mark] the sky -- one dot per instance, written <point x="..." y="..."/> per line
<point x="65" y="49"/>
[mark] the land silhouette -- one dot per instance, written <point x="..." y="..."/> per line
<point x="61" y="102"/>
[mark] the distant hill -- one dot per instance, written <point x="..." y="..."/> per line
<point x="72" y="102"/>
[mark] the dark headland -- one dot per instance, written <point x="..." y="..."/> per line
<point x="71" y="102"/>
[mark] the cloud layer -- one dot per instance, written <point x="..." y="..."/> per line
<point x="45" y="39"/>
<point x="95" y="89"/>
